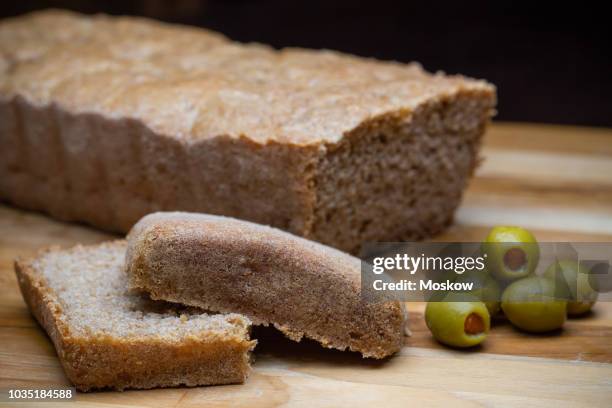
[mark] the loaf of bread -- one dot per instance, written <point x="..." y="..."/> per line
<point x="106" y="119"/>
<point x="226" y="265"/>
<point x="106" y="337"/>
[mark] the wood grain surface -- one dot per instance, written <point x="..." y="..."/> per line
<point x="555" y="180"/>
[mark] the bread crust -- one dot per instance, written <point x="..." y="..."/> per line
<point x="104" y="361"/>
<point x="303" y="288"/>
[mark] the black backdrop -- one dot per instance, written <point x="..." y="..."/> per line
<point x="552" y="62"/>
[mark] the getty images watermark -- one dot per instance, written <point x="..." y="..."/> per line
<point x="418" y="271"/>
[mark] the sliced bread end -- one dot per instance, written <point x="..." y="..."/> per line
<point x="107" y="337"/>
<point x="302" y="288"/>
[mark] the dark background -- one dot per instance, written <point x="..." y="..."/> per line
<point x="551" y="62"/>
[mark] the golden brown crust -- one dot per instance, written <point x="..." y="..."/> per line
<point x="194" y="84"/>
<point x="106" y="361"/>
<point x="303" y="288"/>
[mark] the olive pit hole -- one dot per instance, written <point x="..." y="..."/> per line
<point x="474" y="324"/>
<point x="515" y="258"/>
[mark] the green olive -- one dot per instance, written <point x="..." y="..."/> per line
<point x="572" y="278"/>
<point x="510" y="253"/>
<point x="458" y="324"/>
<point x="530" y="305"/>
<point x="486" y="289"/>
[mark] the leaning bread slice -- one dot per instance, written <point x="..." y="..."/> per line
<point x="106" y="337"/>
<point x="228" y="265"/>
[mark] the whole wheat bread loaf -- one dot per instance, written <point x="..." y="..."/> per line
<point x="106" y="119"/>
<point x="301" y="287"/>
<point x="106" y="337"/>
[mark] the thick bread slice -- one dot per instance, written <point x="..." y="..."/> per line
<point x="107" y="119"/>
<point x="106" y="337"/>
<point x="301" y="287"/>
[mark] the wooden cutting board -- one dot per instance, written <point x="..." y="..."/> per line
<point x="554" y="180"/>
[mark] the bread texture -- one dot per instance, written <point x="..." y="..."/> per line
<point x="301" y="287"/>
<point x="106" y="119"/>
<point x="106" y="337"/>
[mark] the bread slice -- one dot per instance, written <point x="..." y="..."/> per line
<point x="106" y="337"/>
<point x="138" y="116"/>
<point x="301" y="287"/>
